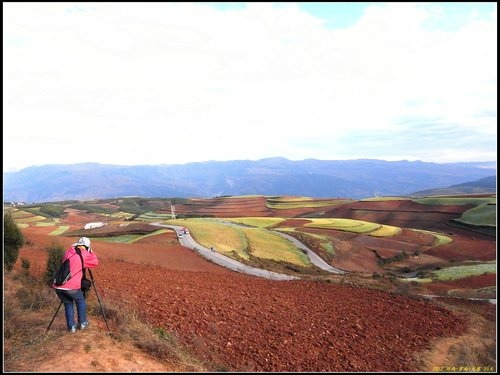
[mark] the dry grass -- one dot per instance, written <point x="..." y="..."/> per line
<point x="474" y="351"/>
<point x="29" y="346"/>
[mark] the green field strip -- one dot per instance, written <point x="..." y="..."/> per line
<point x="260" y="222"/>
<point x="127" y="238"/>
<point x="438" y="201"/>
<point x="458" y="272"/>
<point x="383" y="199"/>
<point x="385" y="231"/>
<point x="20" y="214"/>
<point x="61" y="229"/>
<point x="149" y="235"/>
<point x="209" y="232"/>
<point x="292" y="203"/>
<point x="485" y="215"/>
<point x="271" y="246"/>
<point x="31" y="219"/>
<point x="348" y="225"/>
<point x="441" y="239"/>
<point x="155" y="216"/>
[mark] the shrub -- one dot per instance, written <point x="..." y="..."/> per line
<point x="12" y="242"/>
<point x="56" y="253"/>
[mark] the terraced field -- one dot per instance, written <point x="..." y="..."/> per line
<point x="321" y="323"/>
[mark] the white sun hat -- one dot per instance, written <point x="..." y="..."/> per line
<point x="83" y="241"/>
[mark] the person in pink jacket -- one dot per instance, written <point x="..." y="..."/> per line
<point x="70" y="293"/>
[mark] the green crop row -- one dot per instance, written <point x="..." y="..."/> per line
<point x="458" y="272"/>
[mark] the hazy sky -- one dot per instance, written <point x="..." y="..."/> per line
<point x="172" y="83"/>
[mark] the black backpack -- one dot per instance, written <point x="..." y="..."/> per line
<point x="63" y="274"/>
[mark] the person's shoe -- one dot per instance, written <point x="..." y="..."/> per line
<point x="84" y="325"/>
<point x="72" y="329"/>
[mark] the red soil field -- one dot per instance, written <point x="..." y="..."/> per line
<point x="239" y="322"/>
<point x="244" y="323"/>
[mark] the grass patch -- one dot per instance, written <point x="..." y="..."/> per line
<point x="19" y="214"/>
<point x="267" y="245"/>
<point x="154" y="216"/>
<point x="126" y="238"/>
<point x="348" y="225"/>
<point x="312" y="240"/>
<point x="385" y="231"/>
<point x="150" y="234"/>
<point x="29" y="306"/>
<point x="381" y="199"/>
<point x="302" y="202"/>
<point x="458" y="272"/>
<point x="260" y="222"/>
<point x="441" y="239"/>
<point x="61" y="229"/>
<point x="122" y="215"/>
<point x="209" y="232"/>
<point x="485" y="214"/>
<point x="31" y="219"/>
<point x="45" y="224"/>
<point x="455" y="200"/>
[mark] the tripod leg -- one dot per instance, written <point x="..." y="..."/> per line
<point x="98" y="299"/>
<point x="54" y="317"/>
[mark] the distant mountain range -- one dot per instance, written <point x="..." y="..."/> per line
<point x="355" y="179"/>
<point x="484" y="185"/>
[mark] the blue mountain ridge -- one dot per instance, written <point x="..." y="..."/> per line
<point x="354" y="179"/>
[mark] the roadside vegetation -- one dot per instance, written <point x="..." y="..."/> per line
<point x="264" y="244"/>
<point x="241" y="242"/>
<point x="209" y="232"/>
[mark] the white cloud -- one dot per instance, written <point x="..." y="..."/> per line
<point x="242" y="83"/>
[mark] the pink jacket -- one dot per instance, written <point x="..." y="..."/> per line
<point x="75" y="264"/>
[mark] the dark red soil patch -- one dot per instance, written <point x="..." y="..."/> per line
<point x="225" y="207"/>
<point x="114" y="230"/>
<point x="401" y="213"/>
<point x="293" y="223"/>
<point x="244" y="323"/>
<point x="463" y="248"/>
<point x="465" y="283"/>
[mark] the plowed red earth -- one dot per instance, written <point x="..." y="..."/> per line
<point x="244" y="323"/>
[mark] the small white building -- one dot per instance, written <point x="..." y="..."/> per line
<point x="94" y="225"/>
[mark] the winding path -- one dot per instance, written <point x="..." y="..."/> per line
<point x="187" y="241"/>
<point x="313" y="257"/>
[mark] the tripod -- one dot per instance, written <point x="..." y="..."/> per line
<point x="85" y="295"/>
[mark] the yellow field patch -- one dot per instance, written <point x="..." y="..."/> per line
<point x="31" y="219"/>
<point x="385" y="231"/>
<point x="349" y="225"/>
<point x="208" y="233"/>
<point x="61" y="229"/>
<point x="261" y="222"/>
<point x="441" y="239"/>
<point x="267" y="245"/>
